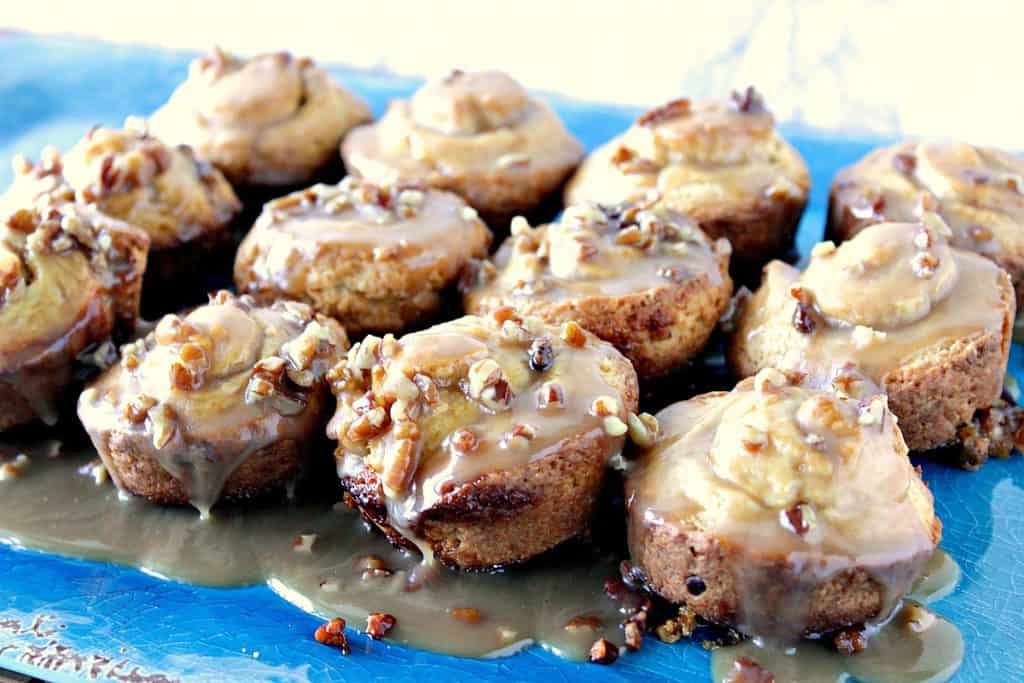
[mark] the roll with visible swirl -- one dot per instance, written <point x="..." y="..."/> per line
<point x="785" y="507"/>
<point x="222" y="403"/>
<point x="722" y="163"/>
<point x="978" y="191"/>
<point x="70" y="281"/>
<point x="478" y="134"/>
<point x="270" y="120"/>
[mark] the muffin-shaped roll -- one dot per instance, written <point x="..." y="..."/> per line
<point x="223" y="403"/>
<point x="377" y="258"/>
<point x="647" y="281"/>
<point x="70" y="278"/>
<point x="721" y="163"/>
<point x="479" y="134"/>
<point x="781" y="508"/>
<point x="481" y="441"/>
<point x="978" y="191"/>
<point x="931" y="324"/>
<point x="182" y="203"/>
<point x="270" y="120"/>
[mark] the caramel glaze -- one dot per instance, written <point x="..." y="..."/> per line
<point x="203" y="392"/>
<point x="703" y="158"/>
<point x="978" y="191"/>
<point x="465" y="123"/>
<point x="799" y="483"/>
<point x="598" y="251"/>
<point x="328" y="237"/>
<point x="272" y="119"/>
<point x="439" y="408"/>
<point x="70" y="278"/>
<point x="895" y="297"/>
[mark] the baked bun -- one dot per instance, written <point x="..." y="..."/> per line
<point x="222" y="403"/>
<point x="270" y="120"/>
<point x="70" y="279"/>
<point x="721" y="163"/>
<point x="646" y="280"/>
<point x="931" y="324"/>
<point x="478" y="134"/>
<point x="183" y="204"/>
<point x="481" y="441"/>
<point x="376" y="258"/>
<point x="782" y="508"/>
<point x="978" y="191"/>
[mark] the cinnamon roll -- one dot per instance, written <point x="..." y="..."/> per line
<point x="722" y="163"/>
<point x="376" y="258"/>
<point x="928" y="322"/>
<point x="70" y="280"/>
<point x="222" y="403"/>
<point x="784" y="508"/>
<point x="183" y="204"/>
<point x="479" y="134"/>
<point x="481" y="441"/>
<point x="270" y="120"/>
<point x="646" y="280"/>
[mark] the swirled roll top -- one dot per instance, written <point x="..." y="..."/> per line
<point x="470" y="103"/>
<point x="783" y="464"/>
<point x="978" y="191"/>
<point x="693" y="154"/>
<point x="893" y="275"/>
<point x="222" y="365"/>
<point x="271" y="119"/>
<point x="470" y="120"/>
<point x="61" y="265"/>
<point x="177" y="419"/>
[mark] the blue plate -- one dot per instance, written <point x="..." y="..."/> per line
<point x="103" y="622"/>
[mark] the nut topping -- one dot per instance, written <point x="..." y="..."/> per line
<point x="489" y="385"/>
<point x="378" y="625"/>
<point x="541" y="354"/>
<point x="333" y="634"/>
<point x="603" y="652"/>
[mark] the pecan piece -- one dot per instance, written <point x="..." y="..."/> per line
<point x="332" y="633"/>
<point x="378" y="625"/>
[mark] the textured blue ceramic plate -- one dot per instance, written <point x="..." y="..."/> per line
<point x="110" y="623"/>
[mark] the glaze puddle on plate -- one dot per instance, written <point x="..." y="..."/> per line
<point x="53" y="508"/>
<point x="915" y="645"/>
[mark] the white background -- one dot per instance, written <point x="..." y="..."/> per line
<point x="923" y="68"/>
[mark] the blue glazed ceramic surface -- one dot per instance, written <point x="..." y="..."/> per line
<point x="118" y="624"/>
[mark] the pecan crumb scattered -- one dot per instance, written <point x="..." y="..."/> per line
<point x="850" y="641"/>
<point x="603" y="652"/>
<point x="333" y="633"/>
<point x="378" y="625"/>
<point x="583" y="621"/>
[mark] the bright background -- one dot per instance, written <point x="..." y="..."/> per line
<point x="922" y="68"/>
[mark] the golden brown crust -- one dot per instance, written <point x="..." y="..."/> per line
<point x="268" y="470"/>
<point x="668" y="558"/>
<point x="506" y="517"/>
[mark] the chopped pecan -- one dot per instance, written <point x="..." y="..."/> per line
<point x="378" y="625"/>
<point x="573" y="334"/>
<point x="550" y="395"/>
<point x="666" y="112"/>
<point x="541" y="354"/>
<point x="467" y="615"/>
<point x="746" y="670"/>
<point x="333" y="633"/>
<point x="850" y="641"/>
<point x="603" y="652"/>
<point x="748" y="102"/>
